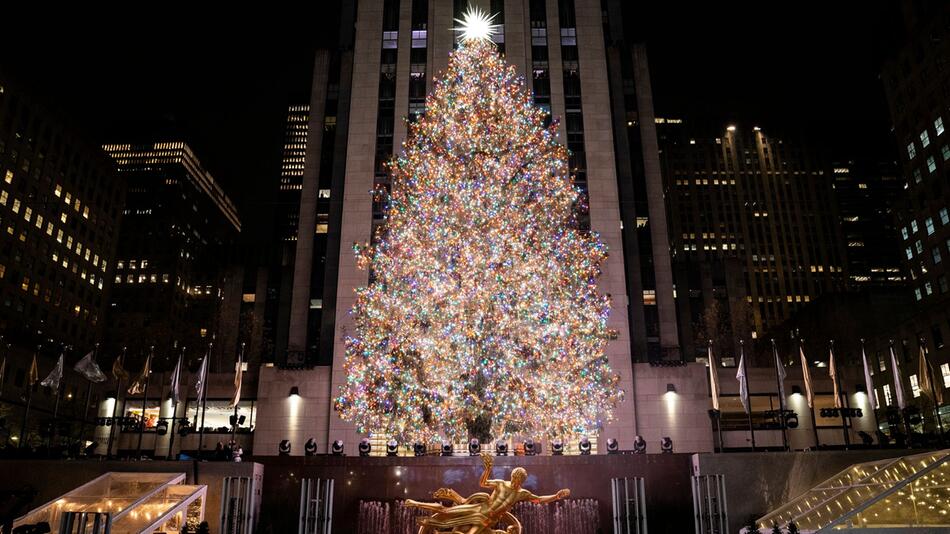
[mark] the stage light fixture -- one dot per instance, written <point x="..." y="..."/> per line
<point x="791" y="420"/>
<point x="392" y="448"/>
<point x="613" y="446"/>
<point x="447" y="448"/>
<point x="474" y="447"/>
<point x="365" y="447"/>
<point x="310" y="447"/>
<point x="584" y="446"/>
<point x="639" y="445"/>
<point x="161" y="428"/>
<point x="666" y="445"/>
<point x="337" y="448"/>
<point x="419" y="449"/>
<point x="557" y="448"/>
<point x="501" y="448"/>
<point x="184" y="428"/>
<point x="283" y="448"/>
<point x="530" y="448"/>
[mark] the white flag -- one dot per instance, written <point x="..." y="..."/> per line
<point x="898" y="385"/>
<point x="833" y="373"/>
<point x="52" y="380"/>
<point x="713" y="379"/>
<point x="868" y="383"/>
<point x="202" y="378"/>
<point x="743" y="383"/>
<point x="176" y="378"/>
<point x="806" y="377"/>
<point x="780" y="372"/>
<point x="88" y="368"/>
<point x="238" y="374"/>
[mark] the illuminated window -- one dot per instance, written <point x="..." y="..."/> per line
<point x="938" y="125"/>
<point x="58" y="191"/>
<point x="936" y="255"/>
<point x="914" y="386"/>
<point x="16" y="206"/>
<point x="28" y="214"/>
<point x="919" y="246"/>
<point x="49" y="228"/>
<point x="924" y="139"/>
<point x="8" y="177"/>
<point x="929" y="224"/>
<point x="62" y="218"/>
<point x="248" y="297"/>
<point x="944" y="368"/>
<point x="887" y="394"/>
<point x="649" y="297"/>
<point x="917" y="294"/>
<point x="944" y="216"/>
<point x="877" y="400"/>
<point x="918" y="177"/>
<point x="68" y="199"/>
<point x="928" y="288"/>
<point x="59" y="236"/>
<point x="911" y="151"/>
<point x="323" y="193"/>
<point x="931" y="164"/>
<point x="913" y="227"/>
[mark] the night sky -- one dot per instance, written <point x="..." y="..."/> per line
<point x="223" y="79"/>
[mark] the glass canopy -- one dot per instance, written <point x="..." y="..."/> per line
<point x="137" y="503"/>
<point x="905" y="492"/>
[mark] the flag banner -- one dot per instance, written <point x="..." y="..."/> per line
<point x="833" y="373"/>
<point x="743" y="383"/>
<point x="202" y="377"/>
<point x="88" y="368"/>
<point x="34" y="373"/>
<point x="52" y="380"/>
<point x="173" y="391"/>
<point x="898" y="385"/>
<point x="238" y="376"/>
<point x="713" y="379"/>
<point x="806" y="377"/>
<point x="138" y="385"/>
<point x="928" y="384"/>
<point x="780" y="371"/>
<point x="868" y="382"/>
<point x="119" y="372"/>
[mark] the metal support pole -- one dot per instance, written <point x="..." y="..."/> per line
<point x="745" y="373"/>
<point x="781" y="398"/>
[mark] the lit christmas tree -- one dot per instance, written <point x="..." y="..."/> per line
<point x="483" y="317"/>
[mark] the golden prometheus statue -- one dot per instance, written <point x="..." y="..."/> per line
<point x="480" y="512"/>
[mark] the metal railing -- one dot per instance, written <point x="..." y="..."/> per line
<point x="629" y="505"/>
<point x="316" y="506"/>
<point x="710" y="514"/>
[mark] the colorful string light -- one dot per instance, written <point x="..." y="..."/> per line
<point x="483" y="305"/>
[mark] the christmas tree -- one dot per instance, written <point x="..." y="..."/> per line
<point x="482" y="318"/>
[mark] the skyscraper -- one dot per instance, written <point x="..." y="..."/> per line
<point x="753" y="228"/>
<point x="589" y="75"/>
<point x="176" y="239"/>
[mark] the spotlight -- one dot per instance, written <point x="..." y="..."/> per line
<point x="392" y="448"/>
<point x="639" y="445"/>
<point x="161" y="428"/>
<point x="447" y="448"/>
<point x="283" y="448"/>
<point x="295" y="391"/>
<point x="184" y="428"/>
<point x="530" y="449"/>
<point x="419" y="449"/>
<point x="666" y="445"/>
<point x="613" y="446"/>
<point x="791" y="420"/>
<point x="365" y="447"/>
<point x="474" y="447"/>
<point x="557" y="448"/>
<point x="584" y="446"/>
<point x="310" y="447"/>
<point x="501" y="448"/>
<point x="337" y="448"/>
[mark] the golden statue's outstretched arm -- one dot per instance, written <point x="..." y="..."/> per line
<point x="562" y="494"/>
<point x="488" y="463"/>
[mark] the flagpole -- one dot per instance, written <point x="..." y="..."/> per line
<point x="85" y="411"/>
<point x="899" y="385"/>
<point x="714" y="367"/>
<point x="871" y="399"/>
<point x="177" y="378"/>
<point x="837" y="389"/>
<point x="745" y="377"/>
<point x="811" y="407"/>
<point x="115" y="404"/>
<point x="148" y="378"/>
<point x="781" y="397"/>
<point x="931" y="379"/>
<point x="234" y="426"/>
<point x="203" y="400"/>
<point x="29" y="399"/>
<point x="59" y="388"/>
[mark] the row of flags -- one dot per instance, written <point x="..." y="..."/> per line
<point x="927" y="378"/>
<point x="89" y="369"/>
